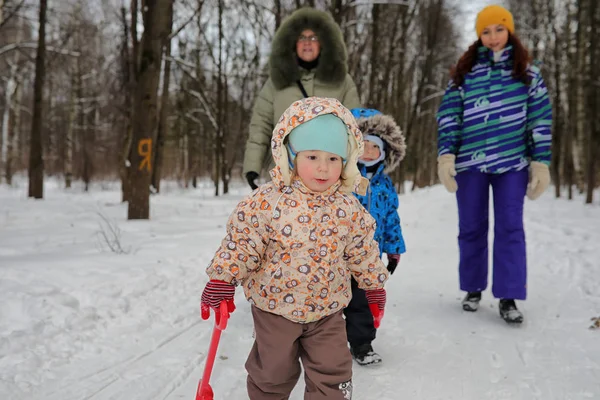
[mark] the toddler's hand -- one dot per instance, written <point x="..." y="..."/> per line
<point x="393" y="260"/>
<point x="214" y="293"/>
<point x="376" y="299"/>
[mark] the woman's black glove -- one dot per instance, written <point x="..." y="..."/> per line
<point x="251" y="176"/>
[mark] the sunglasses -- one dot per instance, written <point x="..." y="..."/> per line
<point x="312" y="38"/>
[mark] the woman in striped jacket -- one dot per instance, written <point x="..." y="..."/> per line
<point x="494" y="130"/>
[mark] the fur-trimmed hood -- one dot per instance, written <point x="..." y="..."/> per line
<point x="283" y="64"/>
<point x="303" y="111"/>
<point x="384" y="127"/>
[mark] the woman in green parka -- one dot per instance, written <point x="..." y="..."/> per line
<point x="308" y="55"/>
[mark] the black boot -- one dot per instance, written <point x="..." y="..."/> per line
<point x="364" y="355"/>
<point x="509" y="311"/>
<point x="471" y="301"/>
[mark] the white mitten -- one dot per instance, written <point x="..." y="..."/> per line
<point x="539" y="179"/>
<point x="446" y="172"/>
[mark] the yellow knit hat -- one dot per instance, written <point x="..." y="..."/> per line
<point x="492" y="15"/>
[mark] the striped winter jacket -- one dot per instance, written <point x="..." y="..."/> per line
<point x="494" y="123"/>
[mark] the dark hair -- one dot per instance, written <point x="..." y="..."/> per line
<point x="521" y="60"/>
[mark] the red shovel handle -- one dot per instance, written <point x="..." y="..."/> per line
<point x="224" y="311"/>
<point x="205" y="392"/>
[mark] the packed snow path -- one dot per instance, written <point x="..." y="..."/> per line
<point x="78" y="321"/>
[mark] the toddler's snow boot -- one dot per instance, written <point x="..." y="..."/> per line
<point x="364" y="355"/>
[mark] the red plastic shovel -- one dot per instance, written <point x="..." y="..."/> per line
<point x="205" y="392"/>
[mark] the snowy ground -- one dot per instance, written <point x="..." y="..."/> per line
<point x="78" y="321"/>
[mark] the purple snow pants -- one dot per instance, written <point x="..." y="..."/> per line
<point x="509" y="280"/>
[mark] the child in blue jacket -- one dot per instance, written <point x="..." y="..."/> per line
<point x="384" y="149"/>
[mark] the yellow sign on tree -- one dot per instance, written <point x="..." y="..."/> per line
<point x="145" y="151"/>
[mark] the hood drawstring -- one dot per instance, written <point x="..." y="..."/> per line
<point x="285" y="191"/>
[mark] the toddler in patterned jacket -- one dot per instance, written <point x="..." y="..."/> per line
<point x="294" y="245"/>
<point x="384" y="149"/>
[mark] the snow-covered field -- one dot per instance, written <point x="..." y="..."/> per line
<point x="79" y="321"/>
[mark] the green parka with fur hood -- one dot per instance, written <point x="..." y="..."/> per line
<point x="329" y="79"/>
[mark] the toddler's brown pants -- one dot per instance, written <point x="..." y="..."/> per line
<point x="273" y="364"/>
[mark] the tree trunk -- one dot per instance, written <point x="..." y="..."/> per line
<point x="83" y="130"/>
<point x="385" y="99"/>
<point x="219" y="145"/>
<point x="49" y="127"/>
<point x="578" y="148"/>
<point x="7" y="101"/>
<point x="535" y="25"/>
<point x="69" y="138"/>
<point x="90" y="136"/>
<point x="225" y="169"/>
<point x="278" y="12"/>
<point x="125" y="163"/>
<point x="374" y="75"/>
<point x="337" y="11"/>
<point x="185" y="160"/>
<point x="163" y="125"/>
<point x="398" y="103"/>
<point x="145" y="104"/>
<point x="414" y="135"/>
<point x="569" y="168"/>
<point x="129" y="67"/>
<point x="558" y="126"/>
<point x="199" y="157"/>
<point x="14" y="125"/>
<point x="9" y="92"/>
<point x="593" y="129"/>
<point x="36" y="161"/>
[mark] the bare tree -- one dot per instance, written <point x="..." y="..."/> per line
<point x="562" y="34"/>
<point x="8" y="10"/>
<point x="12" y="88"/>
<point x="156" y="16"/>
<point x="593" y="104"/>
<point x="219" y="142"/>
<point x="163" y="115"/>
<point x="36" y="161"/>
<point x="15" y="72"/>
<point x="69" y="140"/>
<point x="128" y="61"/>
<point x="14" y="129"/>
<point x="375" y="41"/>
<point x="399" y="54"/>
<point x="278" y="12"/>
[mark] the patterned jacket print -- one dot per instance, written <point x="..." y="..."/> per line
<point x="381" y="201"/>
<point x="293" y="250"/>
<point x="494" y="123"/>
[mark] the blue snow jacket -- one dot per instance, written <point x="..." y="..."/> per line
<point x="381" y="201"/>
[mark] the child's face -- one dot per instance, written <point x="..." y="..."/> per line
<point x="494" y="37"/>
<point x="319" y="170"/>
<point x="371" y="152"/>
